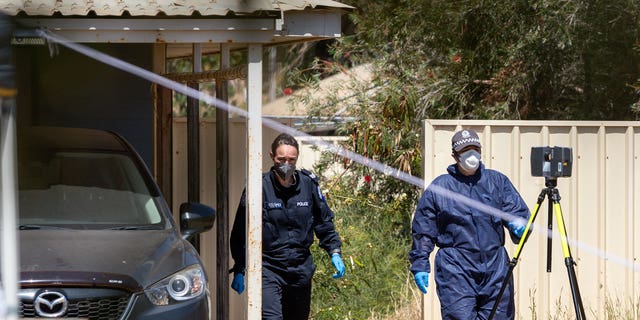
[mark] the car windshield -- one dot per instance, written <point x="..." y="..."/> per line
<point x="88" y="190"/>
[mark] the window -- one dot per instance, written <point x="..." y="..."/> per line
<point x="86" y="189"/>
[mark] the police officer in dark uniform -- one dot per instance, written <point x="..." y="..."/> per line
<point x="293" y="210"/>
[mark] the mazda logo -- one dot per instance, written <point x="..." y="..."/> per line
<point x="51" y="304"/>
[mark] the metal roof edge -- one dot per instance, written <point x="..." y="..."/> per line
<point x="140" y="8"/>
<point x="289" y="5"/>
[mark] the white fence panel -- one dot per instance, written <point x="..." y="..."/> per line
<point x="599" y="203"/>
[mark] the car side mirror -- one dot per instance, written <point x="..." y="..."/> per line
<point x="195" y="218"/>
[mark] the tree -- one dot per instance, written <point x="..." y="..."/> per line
<point x="475" y="59"/>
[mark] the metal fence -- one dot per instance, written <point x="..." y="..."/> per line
<point x="600" y="203"/>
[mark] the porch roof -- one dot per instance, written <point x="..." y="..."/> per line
<point x="138" y="8"/>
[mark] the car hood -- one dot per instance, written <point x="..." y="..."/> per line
<point x="132" y="259"/>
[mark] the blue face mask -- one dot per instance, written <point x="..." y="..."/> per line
<point x="469" y="160"/>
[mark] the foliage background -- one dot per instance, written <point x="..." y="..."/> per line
<point x="473" y="59"/>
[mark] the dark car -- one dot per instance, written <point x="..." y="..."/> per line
<point x="97" y="238"/>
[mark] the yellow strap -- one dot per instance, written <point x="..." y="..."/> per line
<point x="8" y="93"/>
<point x="562" y="230"/>
<point x="526" y="231"/>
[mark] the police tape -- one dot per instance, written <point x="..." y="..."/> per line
<point x="193" y="93"/>
<point x="324" y="145"/>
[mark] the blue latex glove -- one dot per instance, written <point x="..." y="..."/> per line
<point x="516" y="228"/>
<point x="422" y="280"/>
<point x="336" y="259"/>
<point x="238" y="283"/>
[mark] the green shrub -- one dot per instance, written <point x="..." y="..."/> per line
<point x="376" y="236"/>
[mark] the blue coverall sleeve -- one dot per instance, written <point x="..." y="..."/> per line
<point x="424" y="232"/>
<point x="513" y="204"/>
<point x="238" y="237"/>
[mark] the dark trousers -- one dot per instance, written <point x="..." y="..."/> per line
<point x="281" y="301"/>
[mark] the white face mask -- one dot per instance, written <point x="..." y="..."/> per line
<point x="469" y="160"/>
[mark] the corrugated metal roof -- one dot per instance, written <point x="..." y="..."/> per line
<point x="157" y="7"/>
<point x="301" y="4"/>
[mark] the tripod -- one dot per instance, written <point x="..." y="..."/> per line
<point x="554" y="205"/>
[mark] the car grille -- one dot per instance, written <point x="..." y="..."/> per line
<point x="97" y="307"/>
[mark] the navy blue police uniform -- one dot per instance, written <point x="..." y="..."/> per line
<point x="290" y="217"/>
<point x="471" y="262"/>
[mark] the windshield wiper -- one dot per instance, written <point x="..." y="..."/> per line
<point x="134" y="228"/>
<point x="38" y="227"/>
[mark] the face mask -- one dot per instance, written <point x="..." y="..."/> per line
<point x="285" y="170"/>
<point x="469" y="160"/>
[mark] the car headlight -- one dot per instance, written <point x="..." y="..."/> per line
<point x="183" y="285"/>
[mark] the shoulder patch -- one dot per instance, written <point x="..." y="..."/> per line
<point x="314" y="178"/>
<point x="310" y="175"/>
<point x="321" y="196"/>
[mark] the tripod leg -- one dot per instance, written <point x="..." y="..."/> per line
<point x="516" y="256"/>
<point x="505" y="282"/>
<point x="549" y="232"/>
<point x="568" y="260"/>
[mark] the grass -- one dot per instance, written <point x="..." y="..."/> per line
<point x="614" y="309"/>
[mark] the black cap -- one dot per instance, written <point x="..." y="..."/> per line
<point x="463" y="139"/>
